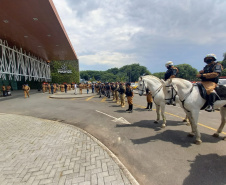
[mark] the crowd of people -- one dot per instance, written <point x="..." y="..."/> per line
<point x="118" y="91"/>
<point x="209" y="78"/>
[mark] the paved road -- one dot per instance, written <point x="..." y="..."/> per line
<point x="153" y="155"/>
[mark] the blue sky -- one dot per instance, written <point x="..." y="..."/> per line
<point x="114" y="33"/>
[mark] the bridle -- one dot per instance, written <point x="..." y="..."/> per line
<point x="173" y="89"/>
<point x="185" y="97"/>
<point x="155" y="93"/>
<point x="142" y="89"/>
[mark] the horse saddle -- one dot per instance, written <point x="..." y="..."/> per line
<point x="220" y="93"/>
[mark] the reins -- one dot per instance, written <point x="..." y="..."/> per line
<point x="184" y="99"/>
<point x="155" y="93"/>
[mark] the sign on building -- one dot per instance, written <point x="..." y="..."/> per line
<point x="64" y="69"/>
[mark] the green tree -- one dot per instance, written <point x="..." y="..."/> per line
<point x="186" y="71"/>
<point x="223" y="72"/>
<point x="134" y="71"/>
<point x="92" y="79"/>
<point x="114" y="70"/>
<point x="160" y="75"/>
<point x="224" y="61"/>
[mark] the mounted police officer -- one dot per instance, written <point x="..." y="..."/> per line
<point x="129" y="95"/>
<point x="210" y="77"/>
<point x="171" y="72"/>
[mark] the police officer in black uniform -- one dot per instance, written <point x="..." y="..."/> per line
<point x="171" y="72"/>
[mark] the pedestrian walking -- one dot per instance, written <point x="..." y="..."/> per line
<point x="65" y="87"/>
<point x="92" y="86"/>
<point x="75" y="86"/>
<point x="52" y="88"/>
<point x="26" y="89"/>
<point x="87" y="88"/>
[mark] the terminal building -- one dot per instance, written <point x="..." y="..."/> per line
<point x="34" y="46"/>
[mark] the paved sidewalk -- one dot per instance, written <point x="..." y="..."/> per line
<point x="35" y="151"/>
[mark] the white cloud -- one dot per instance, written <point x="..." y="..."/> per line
<point x="110" y="59"/>
<point x="116" y="33"/>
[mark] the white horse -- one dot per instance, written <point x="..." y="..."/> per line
<point x="155" y="85"/>
<point x="192" y="102"/>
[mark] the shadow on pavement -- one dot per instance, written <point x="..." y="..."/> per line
<point x="121" y="111"/>
<point x="207" y="169"/>
<point x="176" y="137"/>
<point x="142" y="124"/>
<point x="142" y="110"/>
<point x="150" y="123"/>
<point x="18" y="94"/>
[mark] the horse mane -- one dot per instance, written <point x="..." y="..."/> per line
<point x="151" y="77"/>
<point x="184" y="82"/>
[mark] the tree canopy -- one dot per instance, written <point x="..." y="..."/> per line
<point x="132" y="72"/>
<point x="187" y="72"/>
<point x="126" y="73"/>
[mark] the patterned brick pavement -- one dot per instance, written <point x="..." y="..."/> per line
<point x="35" y="151"/>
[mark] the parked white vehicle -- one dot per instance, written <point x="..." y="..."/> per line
<point x="222" y="82"/>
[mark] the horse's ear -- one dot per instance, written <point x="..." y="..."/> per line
<point x="140" y="77"/>
<point x="163" y="82"/>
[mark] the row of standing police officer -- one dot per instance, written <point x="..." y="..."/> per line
<point x="119" y="91"/>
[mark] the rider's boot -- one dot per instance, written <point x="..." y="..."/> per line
<point x="147" y="106"/>
<point x="150" y="106"/>
<point x="211" y="100"/>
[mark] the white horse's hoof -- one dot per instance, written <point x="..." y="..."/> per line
<point x="184" y="120"/>
<point x="188" y="124"/>
<point x="198" y="142"/>
<point x="163" y="126"/>
<point x="215" y="135"/>
<point x="156" y="122"/>
<point x="191" y="135"/>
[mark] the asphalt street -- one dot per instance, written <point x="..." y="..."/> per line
<point x="153" y="155"/>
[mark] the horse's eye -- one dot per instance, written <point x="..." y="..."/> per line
<point x="168" y="91"/>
